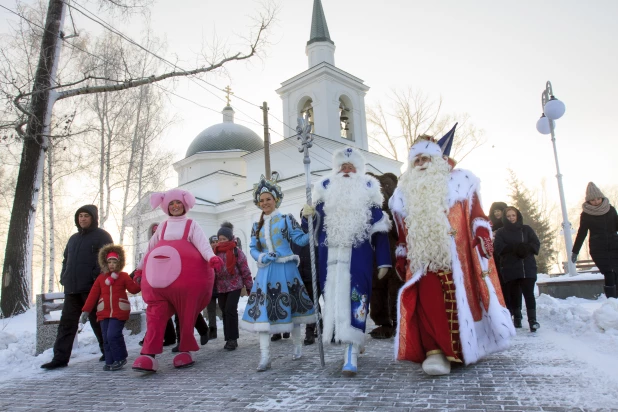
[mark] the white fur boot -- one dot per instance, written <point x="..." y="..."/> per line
<point x="350" y="360"/>
<point x="264" y="351"/>
<point x="437" y="364"/>
<point x="298" y="344"/>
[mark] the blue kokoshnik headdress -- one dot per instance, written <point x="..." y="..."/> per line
<point x="267" y="186"/>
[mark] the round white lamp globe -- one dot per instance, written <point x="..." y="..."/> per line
<point x="554" y="108"/>
<point x="542" y="125"/>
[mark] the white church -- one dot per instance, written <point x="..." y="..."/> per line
<point x="226" y="159"/>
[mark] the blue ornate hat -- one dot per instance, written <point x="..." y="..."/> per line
<point x="267" y="186"/>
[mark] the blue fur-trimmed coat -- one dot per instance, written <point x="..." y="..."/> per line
<point x="346" y="272"/>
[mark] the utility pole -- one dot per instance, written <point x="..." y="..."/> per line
<point x="266" y="140"/>
<point x="17" y="269"/>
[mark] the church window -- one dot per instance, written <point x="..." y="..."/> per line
<point x="345" y="118"/>
<point x="306" y="108"/>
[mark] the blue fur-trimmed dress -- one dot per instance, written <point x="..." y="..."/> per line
<point x="278" y="299"/>
<point x="346" y="272"/>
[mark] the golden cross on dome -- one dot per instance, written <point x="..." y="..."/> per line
<point x="229" y="92"/>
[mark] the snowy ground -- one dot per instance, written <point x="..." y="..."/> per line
<point x="578" y="339"/>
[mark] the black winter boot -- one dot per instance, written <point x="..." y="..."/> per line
<point x="212" y="332"/>
<point x="517" y="317"/>
<point x="610" y="291"/>
<point x="534" y="325"/>
<point x="275" y="337"/>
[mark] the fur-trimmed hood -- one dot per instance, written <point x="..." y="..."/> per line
<point x="111" y="248"/>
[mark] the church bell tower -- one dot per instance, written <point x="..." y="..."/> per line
<point x="333" y="98"/>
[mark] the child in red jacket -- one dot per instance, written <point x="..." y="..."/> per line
<point x="109" y="293"/>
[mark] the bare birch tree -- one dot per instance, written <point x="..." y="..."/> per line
<point x="33" y="110"/>
<point x="411" y="113"/>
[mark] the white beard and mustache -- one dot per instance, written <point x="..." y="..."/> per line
<point x="347" y="211"/>
<point x="426" y="198"/>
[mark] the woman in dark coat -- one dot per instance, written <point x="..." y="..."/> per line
<point x="600" y="218"/>
<point x="496" y="212"/>
<point x="517" y="244"/>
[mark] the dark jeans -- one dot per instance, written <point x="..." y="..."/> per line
<point x="69" y="321"/>
<point x="211" y="309"/>
<point x="523" y="286"/>
<point x="228" y="302"/>
<point x="200" y="325"/>
<point x="113" y="341"/>
<point x="610" y="278"/>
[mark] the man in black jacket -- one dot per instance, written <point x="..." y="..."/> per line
<point x="80" y="268"/>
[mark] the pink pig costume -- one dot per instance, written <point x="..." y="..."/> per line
<point x="178" y="277"/>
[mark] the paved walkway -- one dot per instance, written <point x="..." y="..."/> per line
<point x="531" y="376"/>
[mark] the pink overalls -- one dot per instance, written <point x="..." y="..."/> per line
<point x="176" y="279"/>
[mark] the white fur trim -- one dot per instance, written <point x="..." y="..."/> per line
<point x="480" y="222"/>
<point x="462" y="185"/>
<point x="278" y="328"/>
<point x="337" y="307"/>
<point x="401" y="251"/>
<point x="259" y="261"/>
<point x="284" y="259"/>
<point x="478" y="339"/>
<point x="425" y="147"/>
<point x="396" y="203"/>
<point x="349" y="155"/>
<point x="269" y="241"/>
<point x="383" y="225"/>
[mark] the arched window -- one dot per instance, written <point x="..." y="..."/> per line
<point x="346" y="123"/>
<point x="306" y="107"/>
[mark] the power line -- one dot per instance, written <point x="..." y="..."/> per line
<point x="109" y="27"/>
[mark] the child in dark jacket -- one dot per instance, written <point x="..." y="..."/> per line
<point x="109" y="293"/>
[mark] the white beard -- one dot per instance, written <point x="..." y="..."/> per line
<point x="347" y="211"/>
<point x="425" y="193"/>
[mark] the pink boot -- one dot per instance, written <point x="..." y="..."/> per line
<point x="183" y="360"/>
<point x="145" y="363"/>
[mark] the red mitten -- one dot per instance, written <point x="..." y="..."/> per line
<point x="216" y="262"/>
<point x="400" y="267"/>
<point x="483" y="243"/>
<point x="137" y="276"/>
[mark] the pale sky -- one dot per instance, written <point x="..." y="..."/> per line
<point x="490" y="59"/>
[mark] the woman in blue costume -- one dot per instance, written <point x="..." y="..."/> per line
<point x="278" y="301"/>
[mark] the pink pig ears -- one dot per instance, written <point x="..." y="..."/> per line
<point x="188" y="199"/>
<point x="156" y="199"/>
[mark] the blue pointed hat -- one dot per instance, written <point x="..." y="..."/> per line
<point x="446" y="143"/>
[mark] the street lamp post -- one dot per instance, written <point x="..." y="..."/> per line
<point x="553" y="109"/>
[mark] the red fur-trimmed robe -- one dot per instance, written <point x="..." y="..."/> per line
<point x="485" y="324"/>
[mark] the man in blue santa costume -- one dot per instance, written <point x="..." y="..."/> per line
<point x="451" y="307"/>
<point x="352" y="235"/>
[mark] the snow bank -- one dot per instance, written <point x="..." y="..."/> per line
<point x="543" y="278"/>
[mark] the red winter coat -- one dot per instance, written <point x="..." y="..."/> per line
<point x="113" y="301"/>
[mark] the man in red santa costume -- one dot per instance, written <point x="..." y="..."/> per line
<point x="177" y="278"/>
<point x="451" y="308"/>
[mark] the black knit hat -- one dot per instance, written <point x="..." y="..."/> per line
<point x="227" y="230"/>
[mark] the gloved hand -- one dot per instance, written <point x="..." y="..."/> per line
<point x="84" y="317"/>
<point x="400" y="267"/>
<point x="382" y="272"/>
<point x="269" y="257"/>
<point x="574" y="257"/>
<point x="244" y="291"/>
<point x="521" y="250"/>
<point x="308" y="211"/>
<point x="216" y="262"/>
<point x="137" y="276"/>
<point x="483" y="243"/>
